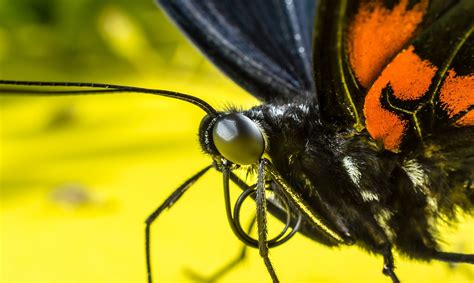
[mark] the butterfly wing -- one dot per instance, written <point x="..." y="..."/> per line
<point x="265" y="46"/>
<point x="361" y="47"/>
<point x="426" y="88"/>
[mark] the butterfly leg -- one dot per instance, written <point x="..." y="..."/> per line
<point x="227" y="267"/>
<point x="172" y="199"/>
<point x="262" y="221"/>
<point x="454" y="257"/>
<point x="388" y="265"/>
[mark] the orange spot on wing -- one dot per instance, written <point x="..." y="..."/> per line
<point x="457" y="95"/>
<point x="382" y="124"/>
<point x="377" y="33"/>
<point x="466" y="120"/>
<point x="410" y="78"/>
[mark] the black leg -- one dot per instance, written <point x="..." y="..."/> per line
<point x="246" y="239"/>
<point x="454" y="257"/>
<point x="227" y="267"/>
<point x="285" y="215"/>
<point x="167" y="204"/>
<point x="262" y="221"/>
<point x="244" y="234"/>
<point x="388" y="265"/>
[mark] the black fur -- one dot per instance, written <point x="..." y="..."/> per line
<point x="386" y="207"/>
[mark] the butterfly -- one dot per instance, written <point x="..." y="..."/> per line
<point x="365" y="132"/>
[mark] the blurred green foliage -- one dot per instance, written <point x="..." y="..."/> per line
<point x="88" y="38"/>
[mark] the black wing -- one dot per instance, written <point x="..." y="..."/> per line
<point x="265" y="45"/>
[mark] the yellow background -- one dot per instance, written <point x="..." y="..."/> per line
<point x="79" y="175"/>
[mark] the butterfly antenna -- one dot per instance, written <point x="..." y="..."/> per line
<point x="95" y="88"/>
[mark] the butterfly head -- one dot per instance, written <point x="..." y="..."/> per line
<point x="232" y="136"/>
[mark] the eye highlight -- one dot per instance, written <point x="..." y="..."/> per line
<point x="238" y="139"/>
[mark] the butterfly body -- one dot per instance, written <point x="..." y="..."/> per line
<point x="365" y="137"/>
<point x="369" y="195"/>
<point x="372" y="196"/>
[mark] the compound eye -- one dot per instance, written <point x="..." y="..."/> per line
<point x="238" y="139"/>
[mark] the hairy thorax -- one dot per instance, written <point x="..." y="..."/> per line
<point x="356" y="187"/>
